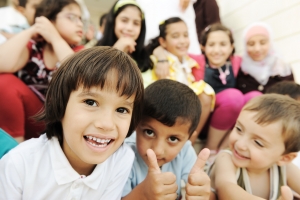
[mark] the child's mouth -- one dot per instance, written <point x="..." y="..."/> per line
<point x="97" y="142"/>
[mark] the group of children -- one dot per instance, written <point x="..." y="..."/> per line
<point x="96" y="99"/>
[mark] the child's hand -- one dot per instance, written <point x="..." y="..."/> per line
<point x="158" y="185"/>
<point x="46" y="29"/>
<point x="286" y="193"/>
<point x="125" y="44"/>
<point x="198" y="184"/>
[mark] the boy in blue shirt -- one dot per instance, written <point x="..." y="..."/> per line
<point x="164" y="155"/>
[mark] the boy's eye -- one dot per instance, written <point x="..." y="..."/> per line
<point x="238" y="129"/>
<point x="122" y="110"/>
<point x="173" y="139"/>
<point x="149" y="133"/>
<point x="258" y="143"/>
<point x="90" y="102"/>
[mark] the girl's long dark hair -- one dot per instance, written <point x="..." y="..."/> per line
<point x="162" y="33"/>
<point x="140" y="55"/>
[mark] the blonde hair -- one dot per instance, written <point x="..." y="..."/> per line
<point x="271" y="108"/>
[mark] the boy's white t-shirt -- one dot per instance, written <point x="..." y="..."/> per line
<point x="38" y="169"/>
<point x="181" y="166"/>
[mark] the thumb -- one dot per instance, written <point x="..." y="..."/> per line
<point x="201" y="160"/>
<point x="286" y="193"/>
<point x="152" y="162"/>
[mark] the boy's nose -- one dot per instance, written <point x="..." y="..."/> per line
<point x="158" y="149"/>
<point x="106" y="122"/>
<point x="241" y="144"/>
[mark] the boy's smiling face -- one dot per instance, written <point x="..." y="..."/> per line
<point x="165" y="141"/>
<point x="254" y="146"/>
<point x="95" y="124"/>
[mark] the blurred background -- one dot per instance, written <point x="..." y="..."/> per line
<point x="282" y="15"/>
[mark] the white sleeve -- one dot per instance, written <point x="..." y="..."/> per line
<point x="122" y="169"/>
<point x="10" y="179"/>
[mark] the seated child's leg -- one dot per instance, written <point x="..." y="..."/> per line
<point x="17" y="104"/>
<point x="206" y="102"/>
<point x="228" y="106"/>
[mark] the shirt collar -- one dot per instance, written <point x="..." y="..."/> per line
<point x="64" y="172"/>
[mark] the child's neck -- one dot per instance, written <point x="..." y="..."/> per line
<point x="260" y="183"/>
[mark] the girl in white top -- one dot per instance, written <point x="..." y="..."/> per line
<point x="92" y="104"/>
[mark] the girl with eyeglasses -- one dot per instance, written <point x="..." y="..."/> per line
<point x="28" y="61"/>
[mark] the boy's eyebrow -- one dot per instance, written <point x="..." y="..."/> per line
<point x="88" y="93"/>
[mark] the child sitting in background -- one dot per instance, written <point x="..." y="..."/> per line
<point x="125" y="29"/>
<point x="265" y="140"/>
<point x="262" y="66"/>
<point x="174" y="38"/>
<point x="219" y="68"/>
<point x="27" y="65"/>
<point x="164" y="155"/>
<point x="17" y="17"/>
<point x="93" y="102"/>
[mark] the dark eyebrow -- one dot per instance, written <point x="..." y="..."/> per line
<point x="96" y="95"/>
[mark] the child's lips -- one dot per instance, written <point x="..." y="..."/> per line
<point x="239" y="156"/>
<point x="79" y="33"/>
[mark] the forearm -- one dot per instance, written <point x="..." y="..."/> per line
<point x="234" y="192"/>
<point x="61" y="48"/>
<point x="13" y="54"/>
<point x="159" y="53"/>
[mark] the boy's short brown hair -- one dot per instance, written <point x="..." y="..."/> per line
<point x="90" y="68"/>
<point x="272" y="108"/>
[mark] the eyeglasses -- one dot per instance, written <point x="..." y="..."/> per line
<point x="74" y="18"/>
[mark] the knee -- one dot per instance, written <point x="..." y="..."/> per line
<point x="206" y="100"/>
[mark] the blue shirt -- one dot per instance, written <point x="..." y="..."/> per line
<point x="181" y="166"/>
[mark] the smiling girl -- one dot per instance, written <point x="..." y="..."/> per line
<point x="125" y="30"/>
<point x="261" y="66"/>
<point x="219" y="68"/>
<point x="28" y="61"/>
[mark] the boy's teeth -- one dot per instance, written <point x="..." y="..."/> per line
<point x="98" y="139"/>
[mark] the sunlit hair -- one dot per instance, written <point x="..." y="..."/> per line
<point x="162" y="33"/>
<point x="216" y="27"/>
<point x="109" y="37"/>
<point x="91" y="68"/>
<point x="273" y="108"/>
<point x="169" y="101"/>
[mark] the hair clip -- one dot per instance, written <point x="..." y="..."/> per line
<point x="162" y="22"/>
<point x="207" y="28"/>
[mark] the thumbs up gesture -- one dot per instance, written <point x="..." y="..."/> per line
<point x="198" y="185"/>
<point x="158" y="185"/>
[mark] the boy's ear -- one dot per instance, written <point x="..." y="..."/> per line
<point x="162" y="42"/>
<point x="287" y="158"/>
